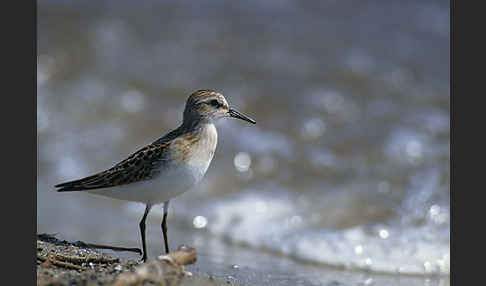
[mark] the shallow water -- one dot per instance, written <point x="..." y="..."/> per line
<point x="345" y="177"/>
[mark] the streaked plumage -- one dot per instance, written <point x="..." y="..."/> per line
<point x="169" y="166"/>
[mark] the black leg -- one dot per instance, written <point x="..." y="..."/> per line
<point x="142" y="230"/>
<point x="164" y="226"/>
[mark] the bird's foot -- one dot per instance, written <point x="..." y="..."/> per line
<point x="142" y="260"/>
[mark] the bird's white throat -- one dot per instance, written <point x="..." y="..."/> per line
<point x="203" y="151"/>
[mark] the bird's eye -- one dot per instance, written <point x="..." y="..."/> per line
<point x="214" y="102"/>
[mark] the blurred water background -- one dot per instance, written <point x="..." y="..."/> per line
<point x="345" y="177"/>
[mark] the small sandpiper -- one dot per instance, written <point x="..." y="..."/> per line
<point x="169" y="166"/>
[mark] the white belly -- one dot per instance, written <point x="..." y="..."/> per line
<point x="171" y="183"/>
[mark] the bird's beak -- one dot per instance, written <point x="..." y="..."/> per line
<point x="237" y="114"/>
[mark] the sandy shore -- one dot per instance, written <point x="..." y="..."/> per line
<point x="61" y="262"/>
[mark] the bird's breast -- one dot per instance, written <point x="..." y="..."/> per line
<point x="196" y="150"/>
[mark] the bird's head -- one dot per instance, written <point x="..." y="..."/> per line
<point x="210" y="105"/>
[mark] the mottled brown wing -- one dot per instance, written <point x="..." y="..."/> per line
<point x="141" y="165"/>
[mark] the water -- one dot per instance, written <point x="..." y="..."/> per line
<point x="345" y="177"/>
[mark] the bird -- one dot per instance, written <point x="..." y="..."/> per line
<point x="169" y="166"/>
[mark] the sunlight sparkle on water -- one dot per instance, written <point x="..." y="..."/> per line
<point x="414" y="149"/>
<point x="200" y="221"/>
<point x="242" y="161"/>
<point x="132" y="101"/>
<point x="437" y="215"/>
<point x="384" y="233"/>
<point x="313" y="128"/>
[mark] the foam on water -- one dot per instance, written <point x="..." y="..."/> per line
<point x="274" y="221"/>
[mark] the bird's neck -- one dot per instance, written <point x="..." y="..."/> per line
<point x="194" y="123"/>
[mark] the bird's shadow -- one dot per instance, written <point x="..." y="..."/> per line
<point x="51" y="238"/>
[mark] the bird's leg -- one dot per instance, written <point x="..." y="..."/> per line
<point x="164" y="226"/>
<point x="142" y="231"/>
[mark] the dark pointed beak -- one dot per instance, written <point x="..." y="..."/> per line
<point x="237" y="114"/>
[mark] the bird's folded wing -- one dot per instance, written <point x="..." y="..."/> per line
<point x="141" y="165"/>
